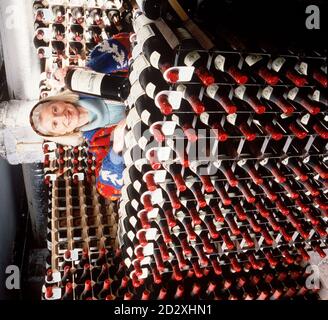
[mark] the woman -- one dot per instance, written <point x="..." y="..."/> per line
<point x="69" y="119"/>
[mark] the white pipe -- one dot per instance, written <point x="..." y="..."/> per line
<point x="21" y="61"/>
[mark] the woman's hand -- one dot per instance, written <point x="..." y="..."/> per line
<point x="118" y="136"/>
<point x="60" y="75"/>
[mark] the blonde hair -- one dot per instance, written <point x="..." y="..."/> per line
<point x="73" y="138"/>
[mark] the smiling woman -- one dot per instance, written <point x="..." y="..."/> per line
<point x="59" y="117"/>
<point x="69" y="119"/>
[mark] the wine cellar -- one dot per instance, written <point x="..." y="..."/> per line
<point x="224" y="193"/>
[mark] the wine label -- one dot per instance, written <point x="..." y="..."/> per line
<point x="266" y="92"/>
<point x="140" y="162"/>
<point x="132" y="118"/>
<point x="168" y="127"/>
<point x="302" y="68"/>
<point x="219" y="62"/>
<point x="140" y="63"/>
<point x="211" y="90"/>
<point x="150" y="90"/>
<point x="151" y="233"/>
<point x="252" y="59"/>
<point x="154" y="59"/>
<point x="241" y="163"/>
<point x="133" y="221"/>
<point x="157" y="196"/>
<point x="137" y="185"/>
<point x="183" y="34"/>
<point x="305" y="119"/>
<point x="316" y="95"/>
<point x="159" y="176"/>
<point x="240" y="92"/>
<point x="148" y="250"/>
<point x="142" y="142"/>
<point x="136" y="91"/>
<point x="189" y="184"/>
<point x="285" y="161"/>
<point x="292" y="93"/>
<point x="130" y="253"/>
<point x="163" y="153"/>
<point x="136" y="51"/>
<point x="278" y="63"/>
<point x="167" y="33"/>
<point x="182" y="89"/>
<point x="87" y="81"/>
<point x="204" y="117"/>
<point x="152" y="214"/>
<point x="135" y="205"/>
<point x="140" y="22"/>
<point x="231" y="118"/>
<point x="129" y="139"/>
<point x="185" y="73"/>
<point x="264" y="162"/>
<point x="145" y="116"/>
<point x="144" y="34"/>
<point x="191" y="58"/>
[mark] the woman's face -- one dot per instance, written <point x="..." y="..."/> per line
<point x="59" y="118"/>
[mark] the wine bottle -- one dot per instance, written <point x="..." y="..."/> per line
<point x="229" y="63"/>
<point x="246" y="94"/>
<point x="106" y="289"/>
<point x="193" y="56"/>
<point x="68" y="294"/>
<point x="258" y="64"/>
<point x="153" y="40"/>
<point x="223" y="96"/>
<point x="97" y="84"/>
<point x="312" y="69"/>
<point x="285" y="66"/>
<point x="76" y="32"/>
<point x="270" y="165"/>
<point x="58" y="31"/>
<point x="276" y="96"/>
<point x="240" y="122"/>
<point x="175" y="170"/>
<point x="293" y="164"/>
<point x="227" y="172"/>
<point x="77" y="15"/>
<point x="311" y="106"/>
<point x="317" y="165"/>
<point x="152" y="9"/>
<point x="151" y="79"/>
<point x="197" y="105"/>
<point x="87" y="292"/>
<point x="214" y="123"/>
<point x="94" y="17"/>
<point x="186" y="122"/>
<point x="58" y="48"/>
<point x="59" y="13"/>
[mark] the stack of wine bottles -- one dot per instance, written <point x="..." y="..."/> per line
<point x="225" y="156"/>
<point x="73" y="162"/>
<point x="81" y="223"/>
<point x="104" y="278"/>
<point x="66" y="31"/>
